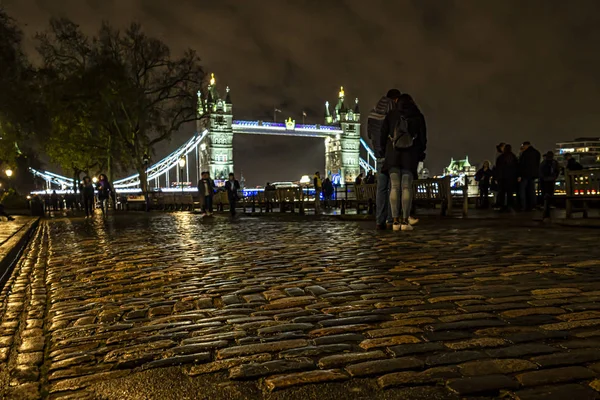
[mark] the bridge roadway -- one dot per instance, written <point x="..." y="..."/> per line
<point x="172" y="306"/>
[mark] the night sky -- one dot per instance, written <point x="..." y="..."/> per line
<point x="482" y="71"/>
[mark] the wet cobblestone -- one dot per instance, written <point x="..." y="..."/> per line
<point x="451" y="309"/>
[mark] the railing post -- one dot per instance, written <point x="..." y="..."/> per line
<point x="253" y="203"/>
<point x="465" y="200"/>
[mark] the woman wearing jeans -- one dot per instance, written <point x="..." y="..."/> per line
<point x="402" y="163"/>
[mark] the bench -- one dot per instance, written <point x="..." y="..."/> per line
<point x="365" y="195"/>
<point x="581" y="187"/>
<point x="430" y="193"/>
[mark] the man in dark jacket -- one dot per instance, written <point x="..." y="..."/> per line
<point x="549" y="171"/>
<point x="379" y="141"/>
<point x="529" y="169"/>
<point x="206" y="189"/>
<point x="232" y="186"/>
<point x="402" y="163"/>
<point x="572" y="164"/>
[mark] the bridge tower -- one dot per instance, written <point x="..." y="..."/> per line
<point x="342" y="151"/>
<point x="216" y="150"/>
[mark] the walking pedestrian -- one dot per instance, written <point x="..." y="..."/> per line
<point x="407" y="132"/>
<point x="549" y="171"/>
<point x="105" y="191"/>
<point x="54" y="200"/>
<point x="87" y="192"/>
<point x="529" y="169"/>
<point x="484" y="178"/>
<point x="206" y="188"/>
<point x="379" y="141"/>
<point x="232" y="186"/>
<point x="507" y="171"/>
<point x="327" y="192"/>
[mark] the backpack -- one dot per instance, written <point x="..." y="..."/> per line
<point x="402" y="139"/>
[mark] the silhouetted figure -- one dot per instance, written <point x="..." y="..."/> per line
<point x="87" y="193"/>
<point x="572" y="164"/>
<point x="549" y="171"/>
<point x="484" y="178"/>
<point x="507" y="171"/>
<point x="328" y="192"/>
<point x="232" y="186"/>
<point x="529" y="170"/>
<point x="105" y="192"/>
<point x="206" y="189"/>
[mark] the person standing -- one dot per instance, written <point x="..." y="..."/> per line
<point x="318" y="184"/>
<point x="549" y="171"/>
<point x="105" y="191"/>
<point x="359" y="179"/>
<point x="572" y="164"/>
<point x="87" y="192"/>
<point x="232" y="186"/>
<point x="507" y="171"/>
<point x="529" y="169"/>
<point x="327" y="192"/>
<point x="484" y="177"/>
<point x="379" y="141"/>
<point x="206" y="188"/>
<point x="407" y="132"/>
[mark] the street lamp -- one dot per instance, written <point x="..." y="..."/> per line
<point x="95" y="180"/>
<point x="8" y="172"/>
<point x="181" y="166"/>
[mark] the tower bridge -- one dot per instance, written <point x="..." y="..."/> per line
<point x="211" y="147"/>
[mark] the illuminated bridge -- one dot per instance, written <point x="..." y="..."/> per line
<point x="211" y="147"/>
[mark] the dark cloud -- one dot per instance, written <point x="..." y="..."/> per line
<point x="482" y="71"/>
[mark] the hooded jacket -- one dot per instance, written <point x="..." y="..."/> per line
<point x="405" y="159"/>
<point x="375" y="122"/>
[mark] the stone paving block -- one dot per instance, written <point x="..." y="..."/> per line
<point x="303" y="378"/>
<point x="432" y="375"/>
<point x="311" y="351"/>
<point x="454" y="357"/>
<point x="471" y="324"/>
<point x="476" y="343"/>
<point x="336" y="330"/>
<point x="221" y="365"/>
<point x="482" y="384"/>
<point x="554" y="376"/>
<point x="28" y="391"/>
<point x="523" y="312"/>
<point x="557" y="392"/>
<point x="342" y="338"/>
<point x="394" y="331"/>
<point x="255" y="370"/>
<point x="81" y="382"/>
<point x="284" y="328"/>
<point x="568" y="358"/>
<point x="368" y="344"/>
<point x="340" y="360"/>
<point x="261" y="348"/>
<point x="377" y="367"/>
<point x="495" y="367"/>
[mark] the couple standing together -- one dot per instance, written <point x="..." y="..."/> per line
<point x="398" y="134"/>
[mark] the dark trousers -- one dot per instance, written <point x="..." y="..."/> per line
<point x="484" y="196"/>
<point x="88" y="205"/>
<point x="232" y="205"/>
<point x="547" y="188"/>
<point x="208" y="200"/>
<point x="506" y="190"/>
<point x="527" y="194"/>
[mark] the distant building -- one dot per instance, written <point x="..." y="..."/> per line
<point x="585" y="150"/>
<point x="461" y="171"/>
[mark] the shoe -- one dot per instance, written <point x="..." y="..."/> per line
<point x="397" y="226"/>
<point x="389" y="225"/>
<point x="406" y="227"/>
<point x="413" y="221"/>
<point x="380" y="227"/>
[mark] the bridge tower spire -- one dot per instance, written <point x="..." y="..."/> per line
<point x="216" y="150"/>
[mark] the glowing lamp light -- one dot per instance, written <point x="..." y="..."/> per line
<point x="305" y="180"/>
<point x="95" y="180"/>
<point x="8" y="172"/>
<point x="181" y="162"/>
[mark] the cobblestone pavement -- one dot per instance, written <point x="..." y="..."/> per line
<point x="173" y="306"/>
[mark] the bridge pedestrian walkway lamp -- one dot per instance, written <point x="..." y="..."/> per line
<point x="181" y="166"/>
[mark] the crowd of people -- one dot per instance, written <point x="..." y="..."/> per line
<point x="92" y="193"/>
<point x="516" y="180"/>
